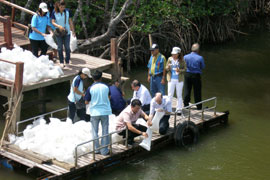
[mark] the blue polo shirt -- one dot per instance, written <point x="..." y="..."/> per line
<point x="117" y="100"/>
<point x="195" y="63"/>
<point x="50" y="20"/>
<point x="156" y="64"/>
<point x="77" y="82"/>
<point x="60" y="19"/>
<point x="39" y="22"/>
<point x="98" y="96"/>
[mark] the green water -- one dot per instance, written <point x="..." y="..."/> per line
<point x="237" y="73"/>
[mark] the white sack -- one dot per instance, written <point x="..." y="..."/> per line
<point x="146" y="143"/>
<point x="50" y="41"/>
<point x="73" y="42"/>
<point x="156" y="119"/>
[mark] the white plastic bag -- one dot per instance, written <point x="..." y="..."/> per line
<point x="146" y="143"/>
<point x="73" y="42"/>
<point x="50" y="41"/>
<point x="156" y="119"/>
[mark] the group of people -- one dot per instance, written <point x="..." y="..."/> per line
<point x="56" y="19"/>
<point x="99" y="100"/>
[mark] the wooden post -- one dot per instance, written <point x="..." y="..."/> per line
<point x="114" y="58"/>
<point x="18" y="84"/>
<point x="19" y="77"/>
<point x="128" y="60"/>
<point x="12" y="16"/>
<point x="7" y="32"/>
<point x="150" y="40"/>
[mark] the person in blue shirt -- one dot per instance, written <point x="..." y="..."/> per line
<point x="195" y="65"/>
<point x="62" y="20"/>
<point x="100" y="108"/>
<point x="156" y="71"/>
<point x="39" y="24"/>
<point x="76" y="93"/>
<point x="118" y="103"/>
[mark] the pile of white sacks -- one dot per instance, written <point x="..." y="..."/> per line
<point x="58" y="139"/>
<point x="35" y="69"/>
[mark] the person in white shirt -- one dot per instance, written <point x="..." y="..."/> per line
<point x="161" y="103"/>
<point x="141" y="93"/>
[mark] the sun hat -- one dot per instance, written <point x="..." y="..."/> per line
<point x="44" y="7"/>
<point x="86" y="71"/>
<point x="176" y="50"/>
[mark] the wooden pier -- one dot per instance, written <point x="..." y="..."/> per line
<point x="86" y="164"/>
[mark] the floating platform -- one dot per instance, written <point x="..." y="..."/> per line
<point x="120" y="152"/>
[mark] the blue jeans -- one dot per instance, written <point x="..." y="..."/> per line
<point x="156" y="86"/>
<point x="66" y="42"/>
<point x="105" y="130"/>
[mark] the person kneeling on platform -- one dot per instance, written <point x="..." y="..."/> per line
<point x="128" y="118"/>
<point x="161" y="103"/>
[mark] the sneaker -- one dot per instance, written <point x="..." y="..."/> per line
<point x="62" y="65"/>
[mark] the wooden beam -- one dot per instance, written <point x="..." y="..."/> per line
<point x="17" y="7"/>
<point x="13" y="15"/>
<point x="7" y="32"/>
<point x="5" y="93"/>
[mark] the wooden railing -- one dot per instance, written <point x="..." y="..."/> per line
<point x="7" y="32"/>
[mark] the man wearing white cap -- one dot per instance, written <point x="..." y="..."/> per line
<point x="75" y="100"/>
<point x="156" y="71"/>
<point x="39" y="23"/>
<point x="176" y="67"/>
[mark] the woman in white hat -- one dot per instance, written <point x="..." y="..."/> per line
<point x="75" y="97"/>
<point x="39" y="24"/>
<point x="176" y="68"/>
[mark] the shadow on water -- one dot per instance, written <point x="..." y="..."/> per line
<point x="237" y="73"/>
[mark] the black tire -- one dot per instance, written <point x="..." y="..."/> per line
<point x="187" y="133"/>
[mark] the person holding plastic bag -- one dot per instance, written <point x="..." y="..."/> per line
<point x="39" y="24"/>
<point x="62" y="20"/>
<point x="161" y="104"/>
<point x="76" y="94"/>
<point x="128" y="118"/>
<point x="176" y="67"/>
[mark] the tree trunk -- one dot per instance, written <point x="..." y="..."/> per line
<point x="27" y="5"/>
<point x="82" y="19"/>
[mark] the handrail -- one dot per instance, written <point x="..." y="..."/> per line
<point x="18" y="7"/>
<point x="37" y="117"/>
<point x="202" y="111"/>
<point x="94" y="148"/>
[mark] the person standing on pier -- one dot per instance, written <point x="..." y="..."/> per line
<point x="161" y="103"/>
<point x="141" y="93"/>
<point x="62" y="20"/>
<point x="76" y="94"/>
<point x="156" y="71"/>
<point x="195" y="65"/>
<point x="100" y="108"/>
<point x="39" y="23"/>
<point x="176" y="67"/>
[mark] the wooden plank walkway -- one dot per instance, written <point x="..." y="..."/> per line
<point x="77" y="62"/>
<point x="17" y="36"/>
<point x="120" y="152"/>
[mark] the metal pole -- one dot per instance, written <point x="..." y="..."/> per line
<point x="110" y="144"/>
<point x="76" y="157"/>
<point x="94" y="153"/>
<point x="126" y="143"/>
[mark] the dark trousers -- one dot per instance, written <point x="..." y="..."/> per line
<point x="72" y="110"/>
<point x="164" y="124"/>
<point x="38" y="44"/>
<point x="192" y="80"/>
<point x="146" y="108"/>
<point x="132" y="135"/>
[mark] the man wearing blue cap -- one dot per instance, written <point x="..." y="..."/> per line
<point x="156" y="71"/>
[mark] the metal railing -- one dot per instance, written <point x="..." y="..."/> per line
<point x="93" y="152"/>
<point x="189" y="108"/>
<point x="37" y="117"/>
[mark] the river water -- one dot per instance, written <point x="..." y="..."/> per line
<point x="237" y="73"/>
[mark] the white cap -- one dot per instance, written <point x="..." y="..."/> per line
<point x="153" y="47"/>
<point x="86" y="71"/>
<point x="43" y="7"/>
<point x="176" y="50"/>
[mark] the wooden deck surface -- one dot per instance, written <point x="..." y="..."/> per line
<point x="77" y="62"/>
<point x="17" y="36"/>
<point x="119" y="150"/>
